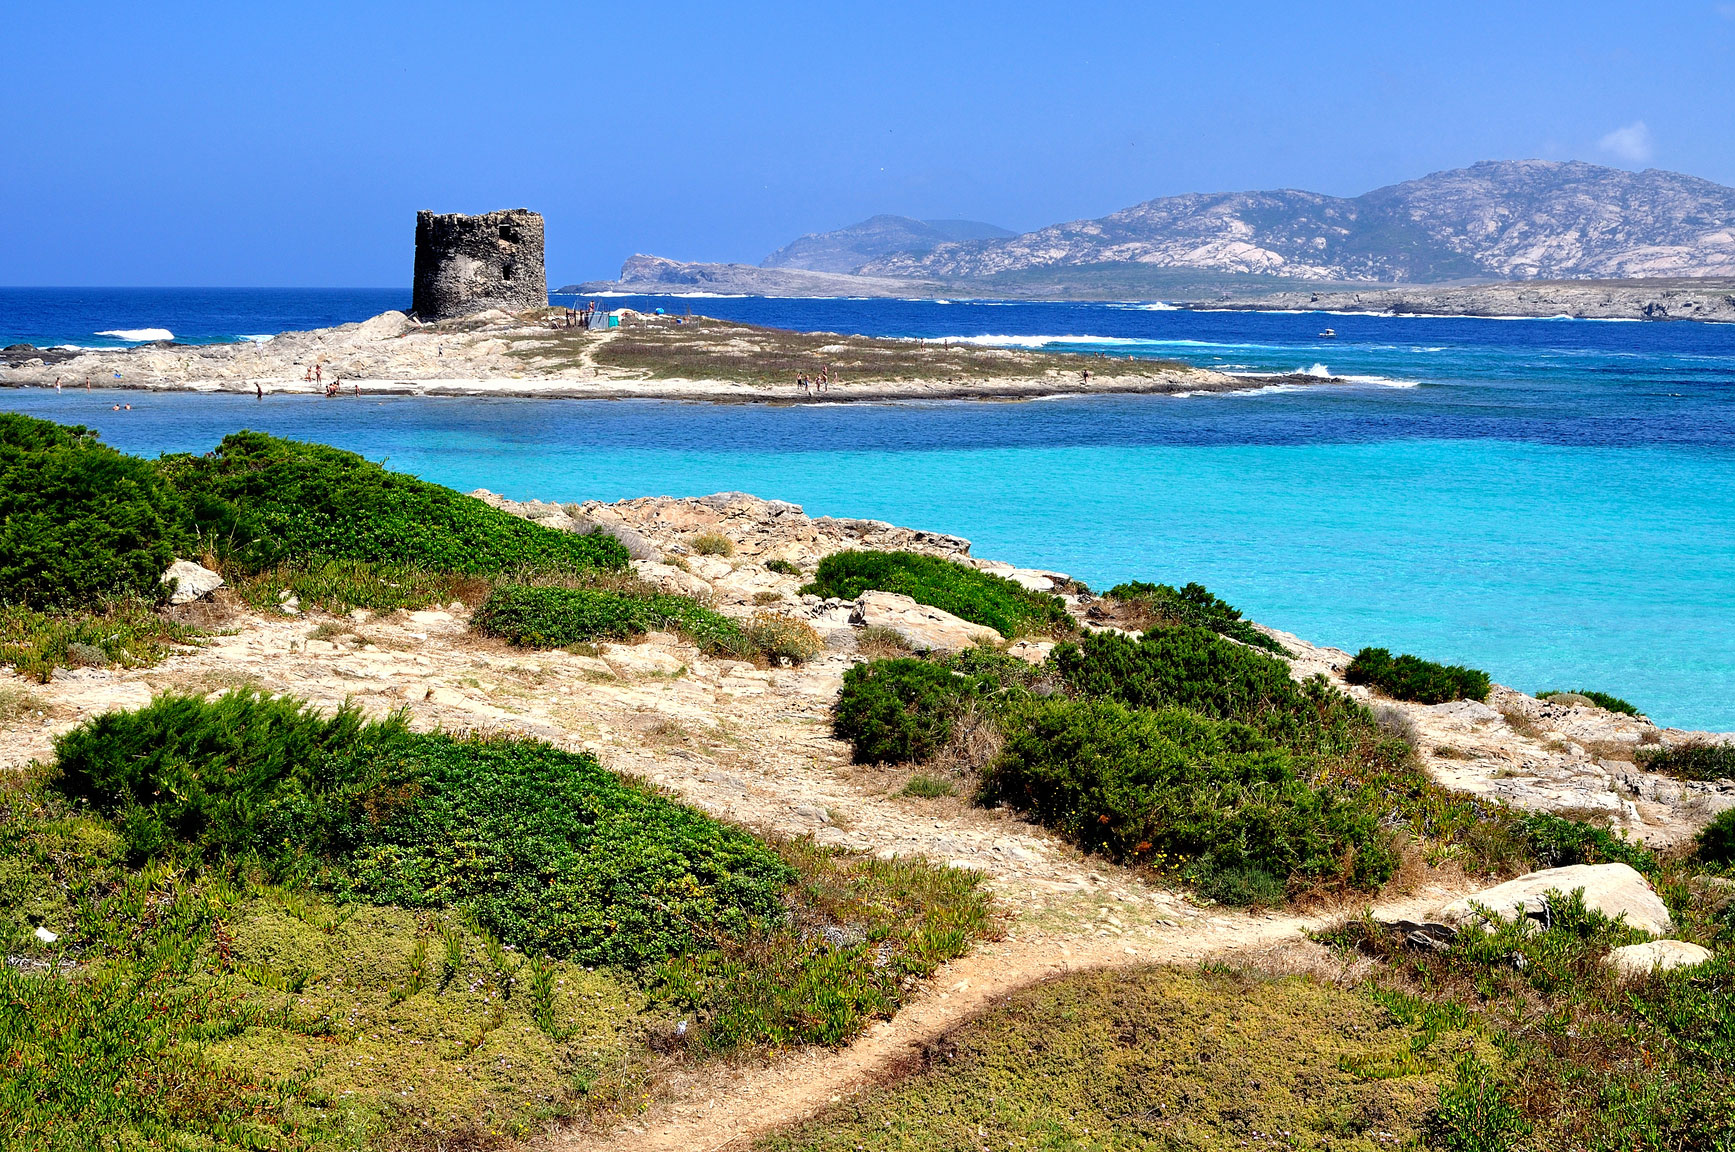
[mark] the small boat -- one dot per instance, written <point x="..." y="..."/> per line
<point x="1329" y="334"/>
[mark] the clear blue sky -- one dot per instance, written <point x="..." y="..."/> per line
<point x="291" y="144"/>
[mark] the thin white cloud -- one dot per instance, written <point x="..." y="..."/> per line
<point x="1631" y="144"/>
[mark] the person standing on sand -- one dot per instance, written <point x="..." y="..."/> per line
<point x="319" y="372"/>
<point x="258" y="392"/>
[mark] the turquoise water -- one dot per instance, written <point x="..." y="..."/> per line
<point x="1551" y="501"/>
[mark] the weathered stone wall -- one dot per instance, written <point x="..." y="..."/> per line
<point x="465" y="264"/>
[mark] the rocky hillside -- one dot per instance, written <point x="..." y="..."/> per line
<point x="1495" y="220"/>
<point x="846" y="249"/>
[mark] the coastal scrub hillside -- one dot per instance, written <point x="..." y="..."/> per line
<point x="280" y="928"/>
<point x="979" y="597"/>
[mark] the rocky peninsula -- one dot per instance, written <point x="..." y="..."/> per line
<point x="541" y="352"/>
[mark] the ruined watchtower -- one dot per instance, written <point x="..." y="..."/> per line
<point x="467" y="263"/>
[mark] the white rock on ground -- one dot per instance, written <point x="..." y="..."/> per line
<point x="1612" y="889"/>
<point x="191" y="581"/>
<point x="1655" y="956"/>
<point x="926" y="629"/>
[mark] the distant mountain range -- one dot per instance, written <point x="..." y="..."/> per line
<point x="1498" y="220"/>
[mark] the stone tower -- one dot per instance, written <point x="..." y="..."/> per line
<point x="465" y="264"/>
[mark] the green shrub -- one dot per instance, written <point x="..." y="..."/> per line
<point x="1556" y="843"/>
<point x="1716" y="841"/>
<point x="543" y="847"/>
<point x="899" y="710"/>
<point x="1216" y="798"/>
<point x="553" y="617"/>
<point x="1003" y="605"/>
<point x="782" y="567"/>
<point x="258" y="502"/>
<point x="925" y="787"/>
<point x="80" y="523"/>
<point x="1175" y="666"/>
<point x="1411" y="678"/>
<point x="1694" y="761"/>
<point x="1600" y="699"/>
<point x="1193" y="605"/>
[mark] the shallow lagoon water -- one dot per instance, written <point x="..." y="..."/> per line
<point x="1551" y="501"/>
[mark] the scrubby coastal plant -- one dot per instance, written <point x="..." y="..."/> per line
<point x="783" y="639"/>
<point x="782" y="567"/>
<point x="80" y="523"/>
<point x="899" y="710"/>
<point x="712" y="544"/>
<point x="1716" y="841"/>
<point x="979" y="597"/>
<point x="1600" y="699"/>
<point x="1409" y="677"/>
<point x="1696" y="760"/>
<point x="1137" y="784"/>
<point x="257" y="502"/>
<point x="128" y="633"/>
<point x="555" y="616"/>
<point x="1193" y="605"/>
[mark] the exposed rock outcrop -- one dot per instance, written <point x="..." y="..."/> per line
<point x="190" y="582"/>
<point x="1655" y="956"/>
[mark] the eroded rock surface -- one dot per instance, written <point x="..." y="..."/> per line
<point x="1655" y="956"/>
<point x="1612" y="889"/>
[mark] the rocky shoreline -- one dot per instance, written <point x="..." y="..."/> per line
<point x="1708" y="300"/>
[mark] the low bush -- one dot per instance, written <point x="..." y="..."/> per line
<point x="1600" y="699"/>
<point x="782" y="567"/>
<point x="924" y="787"/>
<point x="1555" y="842"/>
<point x="1693" y="761"/>
<point x="554" y="617"/>
<point x="258" y="502"/>
<point x="1412" y="678"/>
<point x="712" y="544"/>
<point x="1193" y="605"/>
<point x="1716" y="841"/>
<point x="783" y="639"/>
<point x="899" y="710"/>
<point x="544" y="848"/>
<point x="80" y="523"/>
<point x="1216" y="798"/>
<point x="1003" y="605"/>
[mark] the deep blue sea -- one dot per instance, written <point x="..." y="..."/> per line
<point x="1550" y="500"/>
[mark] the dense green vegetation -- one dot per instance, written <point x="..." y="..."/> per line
<point x="257" y="501"/>
<point x="1214" y="799"/>
<point x="1155" y="1060"/>
<point x="1193" y="605"/>
<point x="1001" y="604"/>
<point x="893" y="711"/>
<point x="80" y="523"/>
<point x="1600" y="699"/>
<point x="1412" y="678"/>
<point x="543" y="848"/>
<point x="1695" y="761"/>
<point x="552" y="617"/>
<point x="86" y="533"/>
<point x="301" y="930"/>
<point x="1716" y="841"/>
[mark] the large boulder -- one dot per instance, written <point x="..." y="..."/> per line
<point x="925" y="629"/>
<point x="1612" y="889"/>
<point x="190" y="581"/>
<point x="1655" y="956"/>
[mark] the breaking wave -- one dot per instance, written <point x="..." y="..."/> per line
<point x="139" y="335"/>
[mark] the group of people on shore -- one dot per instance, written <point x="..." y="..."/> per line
<point x="316" y="375"/>
<point x="812" y="386"/>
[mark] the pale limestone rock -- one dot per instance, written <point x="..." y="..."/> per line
<point x="926" y="629"/>
<point x="1612" y="889"/>
<point x="1655" y="956"/>
<point x="191" y="581"/>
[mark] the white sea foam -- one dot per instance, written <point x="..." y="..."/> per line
<point x="139" y="334"/>
<point x="257" y="339"/>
